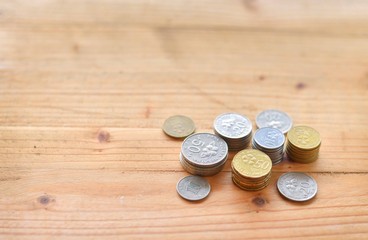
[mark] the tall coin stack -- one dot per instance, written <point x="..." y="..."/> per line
<point x="303" y="144"/>
<point x="270" y="141"/>
<point x="251" y="169"/>
<point x="235" y="129"/>
<point x="203" y="154"/>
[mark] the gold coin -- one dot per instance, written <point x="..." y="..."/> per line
<point x="250" y="188"/>
<point x="252" y="163"/>
<point x="304" y="137"/>
<point x="178" y="126"/>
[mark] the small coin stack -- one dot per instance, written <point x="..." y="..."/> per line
<point x="251" y="169"/>
<point x="270" y="141"/>
<point x="203" y="154"/>
<point x="275" y="119"/>
<point x="235" y="129"/>
<point x="303" y="144"/>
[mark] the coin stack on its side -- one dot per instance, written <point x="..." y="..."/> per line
<point x="270" y="141"/>
<point x="203" y="154"/>
<point x="235" y="129"/>
<point x="303" y="144"/>
<point x="251" y="169"/>
<point x="275" y="119"/>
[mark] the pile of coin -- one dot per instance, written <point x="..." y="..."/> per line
<point x="270" y="141"/>
<point x="275" y="119"/>
<point x="303" y="144"/>
<point x="235" y="129"/>
<point x="251" y="169"/>
<point x="203" y="154"/>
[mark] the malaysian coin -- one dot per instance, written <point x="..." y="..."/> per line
<point x="275" y="119"/>
<point x="251" y="170"/>
<point x="297" y="186"/>
<point x="304" y="137"/>
<point x="193" y="188"/>
<point x="252" y="163"/>
<point x="232" y="125"/>
<point x="270" y="141"/>
<point x="178" y="126"/>
<point x="204" y="149"/>
<point x="303" y="144"/>
<point x="235" y="129"/>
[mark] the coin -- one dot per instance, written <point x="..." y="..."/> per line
<point x="303" y="144"/>
<point x="275" y="119"/>
<point x="297" y="186"/>
<point x="304" y="137"/>
<point x="270" y="141"/>
<point x="193" y="188"/>
<point x="251" y="169"/>
<point x="178" y="126"/>
<point x="252" y="163"/>
<point x="203" y="154"/>
<point x="204" y="149"/>
<point x="235" y="129"/>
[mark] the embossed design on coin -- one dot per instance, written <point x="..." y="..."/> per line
<point x="193" y="188"/>
<point x="235" y="129"/>
<point x="204" y="149"/>
<point x="251" y="169"/>
<point x="275" y="119"/>
<point x="252" y="163"/>
<point x="232" y="125"/>
<point x="304" y="137"/>
<point x="269" y="137"/>
<point x="297" y="186"/>
<point x="270" y="141"/>
<point x="178" y="126"/>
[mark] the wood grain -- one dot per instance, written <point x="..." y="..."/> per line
<point x="86" y="85"/>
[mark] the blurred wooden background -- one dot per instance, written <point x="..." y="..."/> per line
<point x="86" y="85"/>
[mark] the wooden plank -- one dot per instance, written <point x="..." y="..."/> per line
<point x="146" y="149"/>
<point x="57" y="202"/>
<point x="310" y="16"/>
<point x="86" y="85"/>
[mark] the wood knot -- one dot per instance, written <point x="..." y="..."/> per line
<point x="103" y="136"/>
<point x="259" y="201"/>
<point x="261" y="77"/>
<point x="300" y="86"/>
<point x="44" y="199"/>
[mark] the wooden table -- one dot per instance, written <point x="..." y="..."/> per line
<point x="86" y="85"/>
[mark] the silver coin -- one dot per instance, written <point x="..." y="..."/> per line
<point x="297" y="186"/>
<point x="204" y="149"/>
<point x="232" y="125"/>
<point x="193" y="188"/>
<point x="269" y="138"/>
<point x="275" y="119"/>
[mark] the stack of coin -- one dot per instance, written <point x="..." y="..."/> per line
<point x="251" y="169"/>
<point x="303" y="144"/>
<point x="203" y="154"/>
<point x="270" y="141"/>
<point x="275" y="119"/>
<point x="235" y="129"/>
